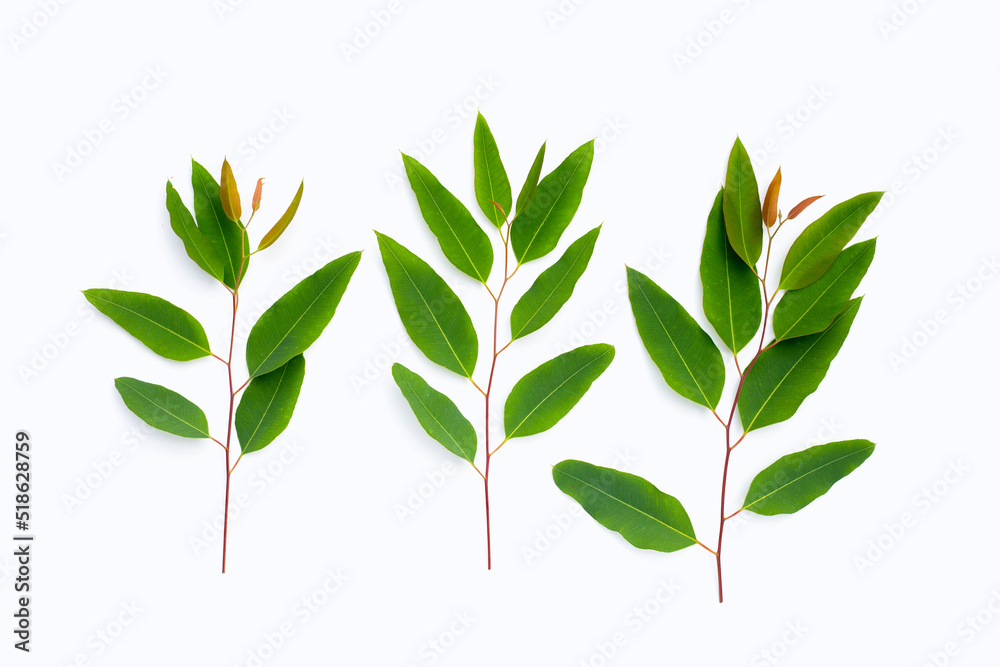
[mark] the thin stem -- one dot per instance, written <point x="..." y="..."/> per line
<point x="229" y="430"/>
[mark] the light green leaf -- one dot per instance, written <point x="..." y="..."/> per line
<point x="439" y="416"/>
<point x="690" y="362"/>
<point x="795" y="480"/>
<point x="229" y="195"/>
<point x="432" y="313"/>
<point x="553" y="287"/>
<point x="531" y="181"/>
<point x="282" y="224"/>
<point x="627" y="504"/>
<point x="161" y="326"/>
<point x="490" y="177"/>
<point x="547" y="394"/>
<point x="268" y="403"/>
<point x="197" y="245"/>
<point x="741" y="206"/>
<point x="228" y="237"/>
<point x="297" y="319"/>
<point x="162" y="408"/>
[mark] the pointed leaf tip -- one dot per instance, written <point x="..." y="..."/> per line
<point x="769" y="210"/>
<point x="230" y="195"/>
<point x="801" y="206"/>
<point x="257" y="193"/>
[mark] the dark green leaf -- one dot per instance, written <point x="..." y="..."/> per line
<point x="197" y="245"/>
<point x="741" y="206"/>
<point x="439" y="416"/>
<point x="228" y="237"/>
<point x="162" y="408"/>
<point x="490" y="177"/>
<point x="531" y="181"/>
<point x="282" y="224"/>
<point x="268" y="403"/>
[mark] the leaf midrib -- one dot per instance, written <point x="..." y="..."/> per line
<point x="804" y="475"/>
<point x="277" y="389"/>
<point x="816" y="245"/>
<point x="140" y="315"/>
<point x="815" y="301"/>
<point x="218" y="223"/>
<point x="131" y="387"/>
<point x="489" y="173"/>
<point x="562" y="279"/>
<point x="436" y="420"/>
<point x="548" y="213"/>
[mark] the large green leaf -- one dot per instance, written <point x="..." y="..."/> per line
<point x="553" y="205"/>
<point x="686" y="356"/>
<point x="228" y="237"/>
<point x="816" y="248"/>
<point x="741" y="206"/>
<point x="553" y="287"/>
<point x="462" y="240"/>
<point x="162" y="408"/>
<point x="432" y="313"/>
<point x="439" y="416"/>
<point x="161" y="326"/>
<point x="531" y="180"/>
<point x="197" y="245"/>
<point x="296" y="320"/>
<point x="268" y="403"/>
<point x="811" y="309"/>
<point x="731" y="290"/>
<point x="545" y="395"/>
<point x="795" y="480"/>
<point x="491" y="180"/>
<point x="785" y="374"/>
<point x="627" y="504"/>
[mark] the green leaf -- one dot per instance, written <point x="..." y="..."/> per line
<point x="432" y="313"/>
<point x="296" y="320"/>
<point x="268" y="403"/>
<point x="811" y="309"/>
<point x="553" y="287"/>
<point x="785" y="374"/>
<point x="228" y="237"/>
<point x="490" y="177"/>
<point x="816" y="248"/>
<point x="162" y="408"/>
<point x="161" y="326"/>
<point x="627" y="504"/>
<point x="547" y="394"/>
<point x="197" y="245"/>
<point x="795" y="480"/>
<point x="229" y="195"/>
<point x="741" y="206"/>
<point x="731" y="295"/>
<point x="282" y="224"/>
<point x="462" y="240"/>
<point x="690" y="362"/>
<point x="531" y="181"/>
<point x="439" y="416"/>
<point x="553" y="205"/>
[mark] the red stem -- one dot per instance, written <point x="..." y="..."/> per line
<point x="229" y="431"/>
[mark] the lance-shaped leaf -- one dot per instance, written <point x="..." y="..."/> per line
<point x="552" y="206"/>
<point x="462" y="240"/>
<point x="283" y="222"/>
<point x="741" y="206"/>
<point x="769" y="210"/>
<point x="531" y="181"/>
<point x="811" y="309"/>
<point x="627" y="504"/>
<point x="545" y="395"/>
<point x="229" y="194"/>
<point x="553" y="287"/>
<point x="491" y="180"/>
<point x="196" y="244"/>
<point x="439" y="416"/>
<point x="690" y="362"/>
<point x="162" y="408"/>
<point x="228" y="237"/>
<point x="432" y="313"/>
<point x="731" y="291"/>
<point x="802" y="205"/>
<point x="161" y="326"/>
<point x="816" y="248"/>
<point x="296" y="320"/>
<point x="268" y="403"/>
<point x="795" y="480"/>
<point x="784" y="375"/>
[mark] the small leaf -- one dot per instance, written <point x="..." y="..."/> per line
<point x="162" y="408"/>
<point x="801" y="206"/>
<point x="283" y="222"/>
<point x="197" y="245"/>
<point x="439" y="416"/>
<point x="645" y="516"/>
<point x="787" y="373"/>
<point x="741" y="206"/>
<point x="553" y="287"/>
<point x="297" y="319"/>
<point x="545" y="395"/>
<point x="531" y="181"/>
<point x="769" y="211"/>
<point x="228" y="237"/>
<point x="811" y="309"/>
<point x="731" y="292"/>
<point x="689" y="361"/>
<point x="819" y="244"/>
<point x="161" y="326"/>
<point x="552" y="206"/>
<point x="268" y="403"/>
<point x="490" y="177"/>
<point x="228" y="193"/>
<point x="795" y="480"/>
<point x="462" y="240"/>
<point x="258" y="191"/>
<point x="432" y="313"/>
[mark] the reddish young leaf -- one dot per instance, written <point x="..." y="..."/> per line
<point x="257" y="193"/>
<point x="801" y="206"/>
<point x="769" y="211"/>
<point x="230" y="196"/>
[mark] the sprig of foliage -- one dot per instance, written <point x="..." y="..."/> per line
<point x="810" y="323"/>
<point x="439" y="324"/>
<point x="217" y="241"/>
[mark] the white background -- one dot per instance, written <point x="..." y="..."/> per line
<point x="843" y="103"/>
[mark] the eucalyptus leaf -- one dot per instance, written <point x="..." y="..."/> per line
<point x="490" y="177"/>
<point x="282" y="224"/>
<point x="741" y="206"/>
<point x="437" y="413"/>
<point x="531" y="180"/>
<point x="163" y="408"/>
<point x="267" y="405"/>
<point x="228" y="237"/>
<point x="196" y="244"/>
<point x="229" y="195"/>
